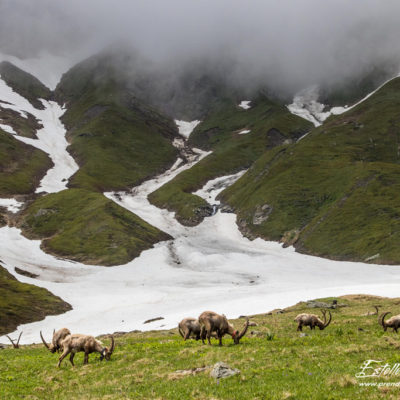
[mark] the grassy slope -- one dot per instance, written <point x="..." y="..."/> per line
<point x="318" y="366"/>
<point x="338" y="188"/>
<point x="21" y="303"/>
<point x="116" y="140"/>
<point x="24" y="84"/>
<point x="21" y="166"/>
<point x="231" y="152"/>
<point x="86" y="226"/>
<point x="26" y="127"/>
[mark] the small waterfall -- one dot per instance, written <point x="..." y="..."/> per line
<point x="215" y="208"/>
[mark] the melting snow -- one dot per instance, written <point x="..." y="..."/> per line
<point x="12" y="205"/>
<point x="186" y="128"/>
<point x="245" y="104"/>
<point x="51" y="138"/>
<point x="305" y="104"/>
<point x="210" y="266"/>
<point x="8" y="129"/>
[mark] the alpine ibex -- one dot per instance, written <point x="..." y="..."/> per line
<point x="15" y="345"/>
<point x="212" y="322"/>
<point x="75" y="343"/>
<point x="376" y="312"/>
<point x="58" y="337"/>
<point x="312" y="321"/>
<point x="190" y="327"/>
<point x="393" y="322"/>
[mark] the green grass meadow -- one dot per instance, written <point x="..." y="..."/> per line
<point x="320" y="365"/>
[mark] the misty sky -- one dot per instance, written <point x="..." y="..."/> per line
<point x="293" y="43"/>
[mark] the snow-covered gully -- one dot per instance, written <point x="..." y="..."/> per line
<point x="51" y="138"/>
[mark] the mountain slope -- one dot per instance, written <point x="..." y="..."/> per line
<point x="335" y="193"/>
<point x="269" y="124"/>
<point x="21" y="303"/>
<point x="87" y="227"/>
<point x="117" y="140"/>
<point x="21" y="166"/>
<point x="24" y="84"/>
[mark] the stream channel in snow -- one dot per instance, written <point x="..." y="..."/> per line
<point x="207" y="267"/>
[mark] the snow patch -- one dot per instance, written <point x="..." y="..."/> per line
<point x="245" y="104"/>
<point x="186" y="128"/>
<point x="8" y="129"/>
<point x="214" y="187"/>
<point x="12" y="205"/>
<point x="244" y="131"/>
<point x="51" y="138"/>
<point x="305" y="105"/>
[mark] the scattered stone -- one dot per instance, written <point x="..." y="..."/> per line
<point x="321" y="304"/>
<point x="257" y="333"/>
<point x="261" y="214"/>
<point x="222" y="370"/>
<point x="186" y="372"/>
<point x="204" y="211"/>
<point x="252" y="323"/>
<point x="279" y="311"/>
<point x="25" y="273"/>
<point x="302" y="334"/>
<point x="152" y="320"/>
<point x="374" y="257"/>
<point x="226" y="209"/>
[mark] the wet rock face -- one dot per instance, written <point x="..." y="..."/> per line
<point x="261" y="214"/>
<point x="204" y="211"/>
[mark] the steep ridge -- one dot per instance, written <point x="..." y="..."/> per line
<point x="111" y="132"/>
<point x="105" y="234"/>
<point x="334" y="193"/>
<point x="237" y="136"/>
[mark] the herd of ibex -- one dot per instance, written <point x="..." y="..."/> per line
<point x="208" y="325"/>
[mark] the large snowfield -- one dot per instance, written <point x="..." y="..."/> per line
<point x="207" y="267"/>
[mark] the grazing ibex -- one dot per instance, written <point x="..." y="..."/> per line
<point x="393" y="322"/>
<point x="312" y="321"/>
<point x="212" y="322"/>
<point x="189" y="327"/>
<point x="58" y="337"/>
<point x="15" y="345"/>
<point x="75" y="343"/>
<point x="376" y="312"/>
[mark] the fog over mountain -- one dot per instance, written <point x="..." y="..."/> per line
<point x="287" y="45"/>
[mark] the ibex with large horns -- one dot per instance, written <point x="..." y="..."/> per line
<point x="76" y="343"/>
<point x="393" y="322"/>
<point x="58" y="337"/>
<point x="312" y="321"/>
<point x="212" y="322"/>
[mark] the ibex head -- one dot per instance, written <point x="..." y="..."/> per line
<point x="51" y="347"/>
<point x="236" y="335"/>
<point x="382" y="321"/>
<point x="107" y="352"/>
<point x="325" y="324"/>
